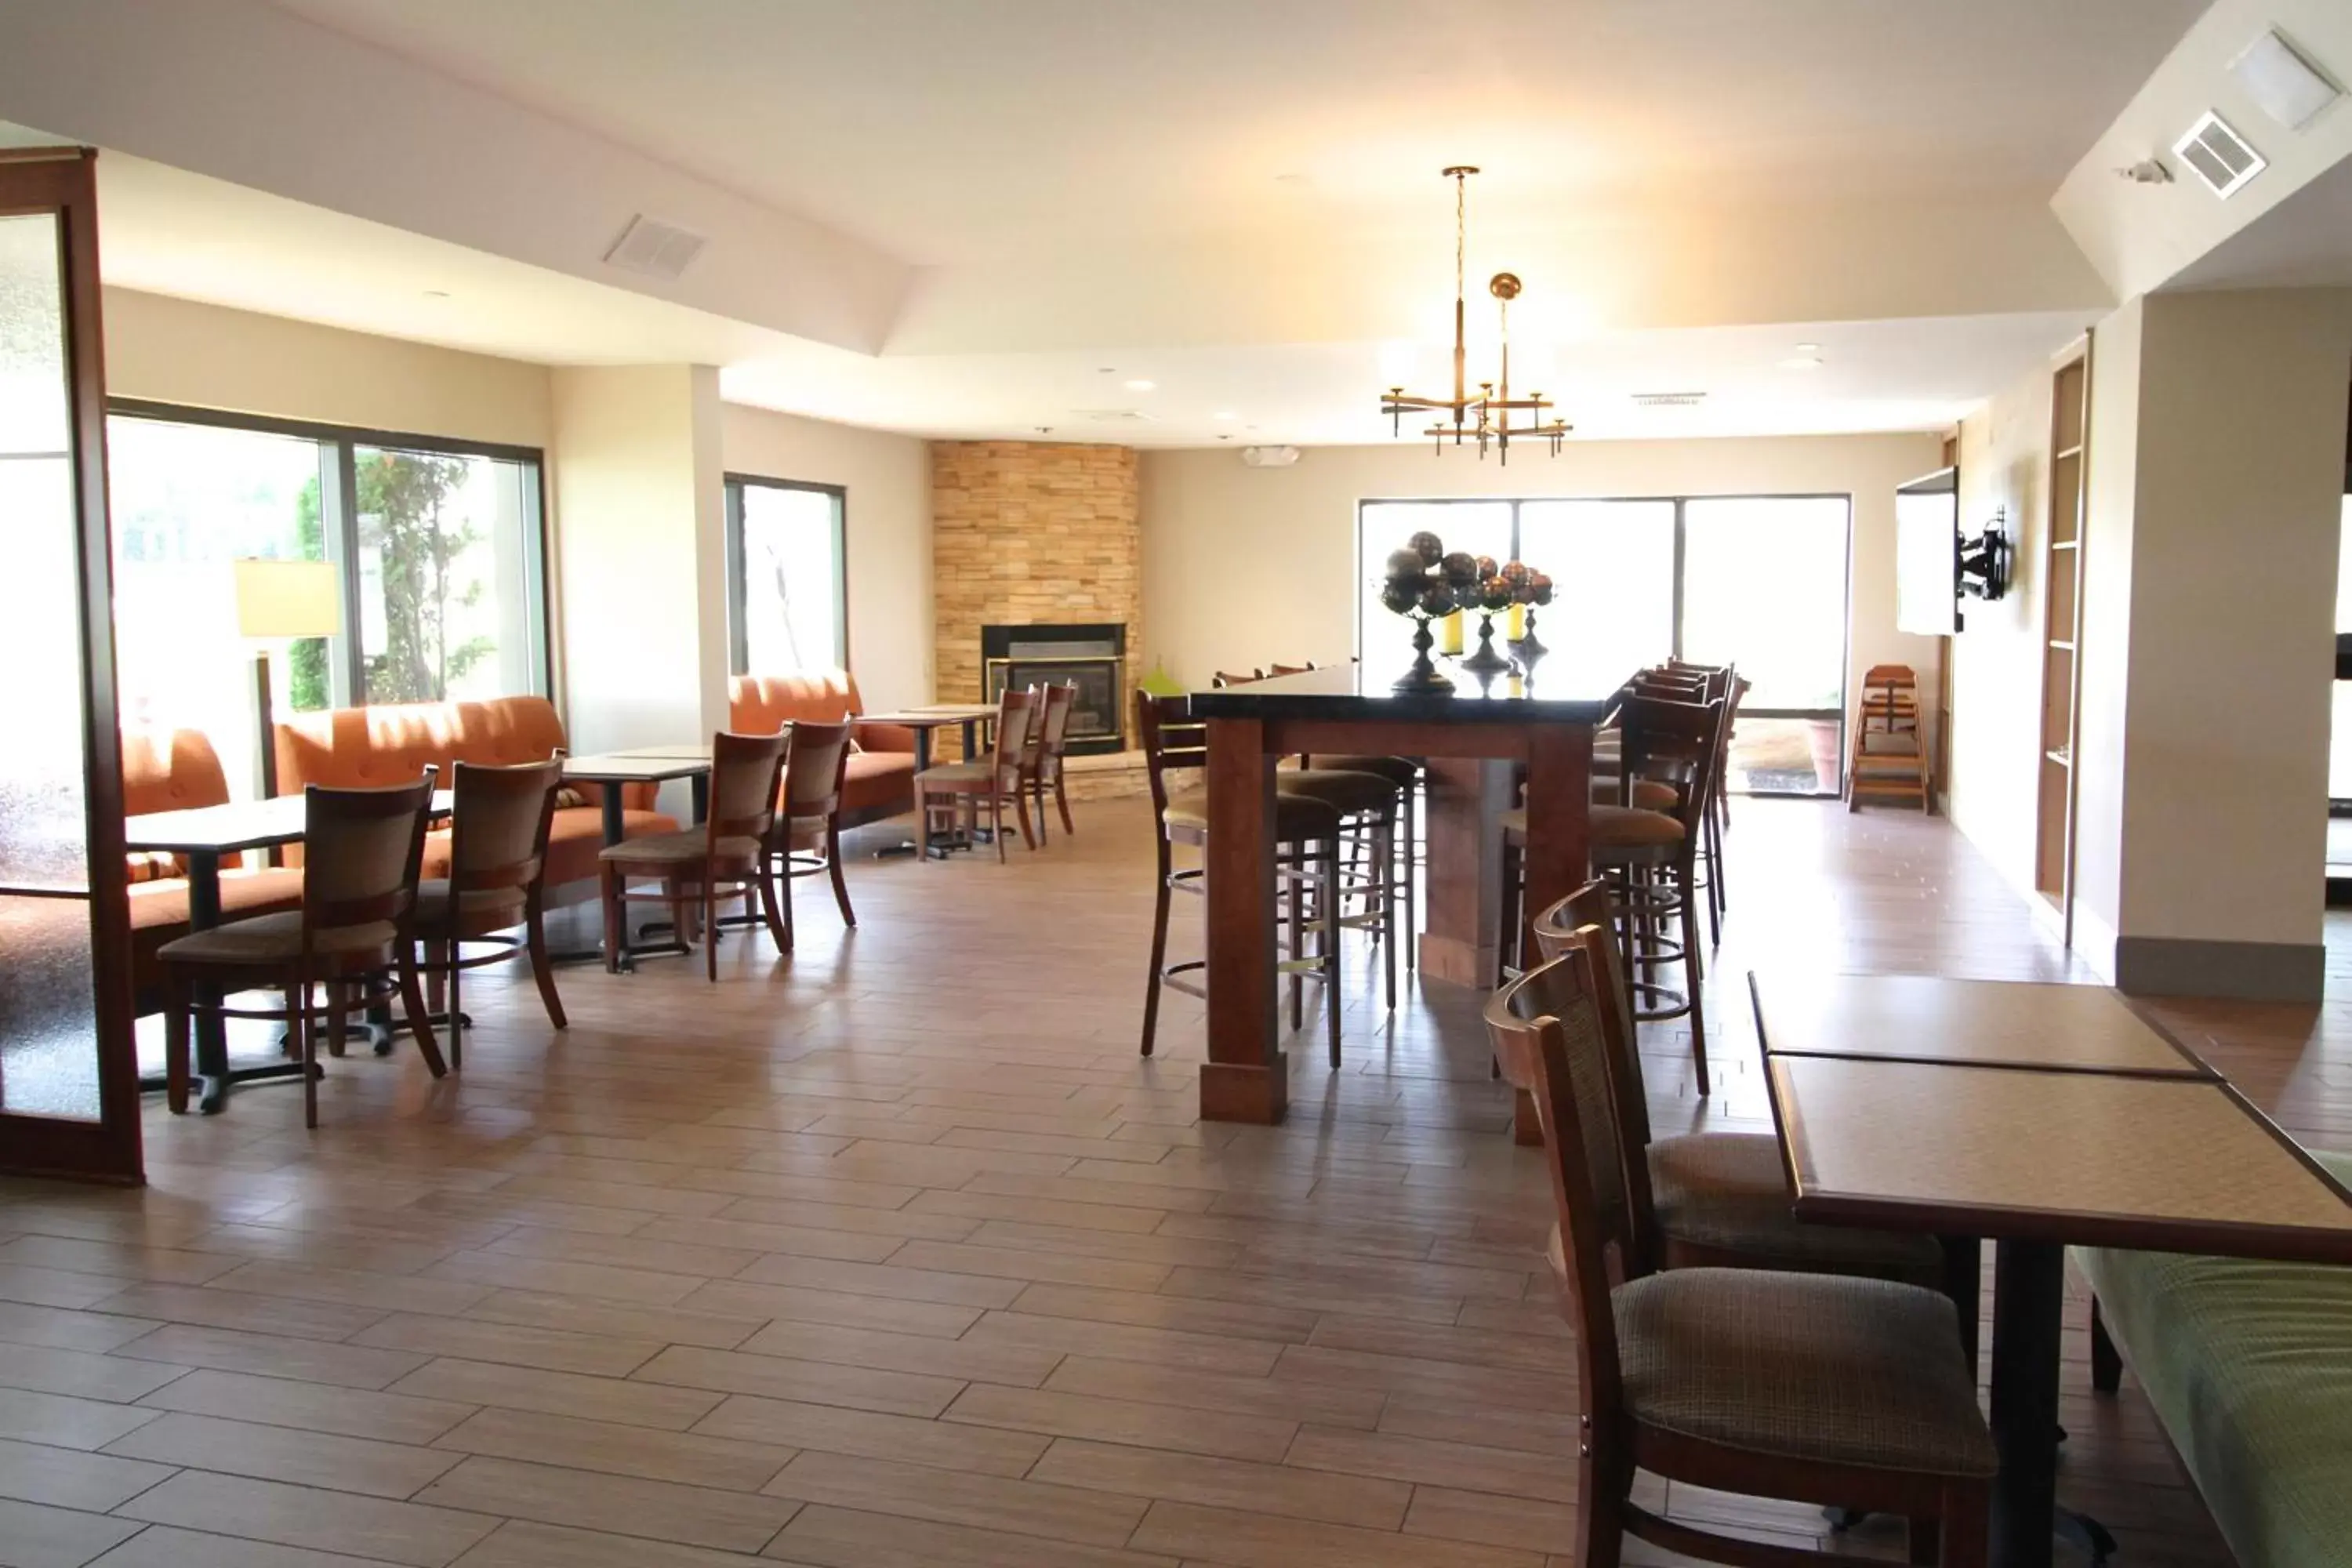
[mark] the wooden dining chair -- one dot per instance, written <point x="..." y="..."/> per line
<point x="724" y="858"/>
<point x="1224" y="678"/>
<point x="1052" y="746"/>
<point x="1273" y="669"/>
<point x="498" y="824"/>
<point x="806" y="841"/>
<point x="1844" y="1392"/>
<point x="353" y="936"/>
<point x="1717" y="1199"/>
<point x="993" y="780"/>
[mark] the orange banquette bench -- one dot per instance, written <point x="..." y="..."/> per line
<point x="372" y="748"/>
<point x="177" y="770"/>
<point x="881" y="772"/>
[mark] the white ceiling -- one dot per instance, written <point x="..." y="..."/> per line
<point x="947" y="131"/>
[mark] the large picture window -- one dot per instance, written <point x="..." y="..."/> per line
<point x="787" y="595"/>
<point x="1754" y="580"/>
<point x="439" y="551"/>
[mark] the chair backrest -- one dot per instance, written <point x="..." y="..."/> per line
<point x="1547" y="1016"/>
<point x="745" y="773"/>
<point x="1224" y="678"/>
<point x="362" y="849"/>
<point x="1016" y="722"/>
<point x="1673" y="742"/>
<point x="814" y="768"/>
<point x="1290" y="669"/>
<point x="499" y="820"/>
<point x="1033" y="749"/>
<point x="1173" y="740"/>
<point x="1056" y="724"/>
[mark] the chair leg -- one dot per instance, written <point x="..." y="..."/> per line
<point x="996" y="824"/>
<point x="1384" y="886"/>
<point x="305" y="1046"/>
<point x="778" y="927"/>
<point x="1409" y="936"/>
<point x="541" y="971"/>
<point x="1033" y="792"/>
<point x="2106" y="1361"/>
<point x="338" y="1018"/>
<point x="454" y="953"/>
<point x="1159" y="948"/>
<point x="614" y="916"/>
<point x="1021" y="810"/>
<point x="1600" y="1513"/>
<point x="833" y="868"/>
<point x="1297" y="905"/>
<point x="922" y="822"/>
<point x="1062" y="799"/>
<point x="710" y="922"/>
<point x="1692" y="972"/>
<point x="178" y="1000"/>
<point x="1331" y="955"/>
<point x="1967" y="1525"/>
<point x="420" y="1021"/>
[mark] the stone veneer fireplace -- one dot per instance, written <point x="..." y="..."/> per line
<point x="1090" y="656"/>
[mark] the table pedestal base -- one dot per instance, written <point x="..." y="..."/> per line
<point x="1234" y="1091"/>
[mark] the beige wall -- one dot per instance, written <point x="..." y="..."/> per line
<point x="1245" y="566"/>
<point x="176" y="351"/>
<point x="889" y="529"/>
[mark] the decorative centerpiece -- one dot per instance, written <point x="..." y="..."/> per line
<point x="1492" y="592"/>
<point x="1425" y="583"/>
<point x="1529" y="589"/>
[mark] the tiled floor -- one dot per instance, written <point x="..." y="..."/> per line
<point x="895" y="1254"/>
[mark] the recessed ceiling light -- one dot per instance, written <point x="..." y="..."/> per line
<point x="1809" y="348"/>
<point x="1224" y="414"/>
<point x="436" y="293"/>
<point x="1142" y="385"/>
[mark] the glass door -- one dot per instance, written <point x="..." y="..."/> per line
<point x="68" y="1075"/>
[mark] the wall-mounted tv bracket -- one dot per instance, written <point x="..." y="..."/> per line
<point x="1985" y="560"/>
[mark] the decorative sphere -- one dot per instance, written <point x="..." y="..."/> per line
<point x="1399" y="600"/>
<point x="1543" y="590"/>
<point x="1517" y="572"/>
<point x="1460" y="569"/>
<point x="1405" y="564"/>
<point x="1429" y="547"/>
<point x="1494" y="594"/>
<point x="1438" y="599"/>
<point x="1487" y="567"/>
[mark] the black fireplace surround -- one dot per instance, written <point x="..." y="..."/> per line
<point x="1090" y="656"/>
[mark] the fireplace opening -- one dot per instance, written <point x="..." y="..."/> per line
<point x="1090" y="656"/>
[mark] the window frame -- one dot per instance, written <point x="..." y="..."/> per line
<point x="1364" y="568"/>
<point x="339" y="516"/>
<point x="739" y="641"/>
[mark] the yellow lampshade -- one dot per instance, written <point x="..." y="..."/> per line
<point x="288" y="599"/>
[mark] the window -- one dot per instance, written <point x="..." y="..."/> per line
<point x="438" y="549"/>
<point x="787" y="594"/>
<point x="1755" y="581"/>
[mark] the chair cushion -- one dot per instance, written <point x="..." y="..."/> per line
<point x="274" y="939"/>
<point x="1803" y="1367"/>
<point x="1631" y="827"/>
<point x="480" y="906"/>
<point x="1649" y="795"/>
<point x="1295" y="816"/>
<point x="2249" y="1366"/>
<point x="961" y="776"/>
<point x="1402" y="772"/>
<point x="575" y="837"/>
<point x="159" y="911"/>
<point x="683" y="848"/>
<point x="1726" y="1192"/>
<point x="1351" y="794"/>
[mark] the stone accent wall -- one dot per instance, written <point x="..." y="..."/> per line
<point x="1030" y="533"/>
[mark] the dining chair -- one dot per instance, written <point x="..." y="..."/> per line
<point x="994" y="780"/>
<point x="361" y="849"/>
<point x="724" y="858"/>
<point x="1274" y="670"/>
<point x="806" y="840"/>
<point x="1306" y="834"/>
<point x="1718" y="1199"/>
<point x="1844" y="1392"/>
<point x="1052" y="746"/>
<point x="1224" y="678"/>
<point x="498" y="824"/>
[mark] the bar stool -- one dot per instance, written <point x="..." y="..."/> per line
<point x="1405" y="775"/>
<point x="1307" y="855"/>
<point x="1367" y="804"/>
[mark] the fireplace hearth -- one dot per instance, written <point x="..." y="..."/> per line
<point x="1090" y="656"/>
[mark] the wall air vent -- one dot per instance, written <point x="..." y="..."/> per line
<point x="656" y="248"/>
<point x="2221" y="157"/>
<point x="1668" y="399"/>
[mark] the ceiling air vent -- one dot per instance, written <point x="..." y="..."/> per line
<point x="1668" y="399"/>
<point x="2219" y="155"/>
<point x="657" y="248"/>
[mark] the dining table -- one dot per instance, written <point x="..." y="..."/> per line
<point x="926" y="719"/>
<point x="2035" y="1117"/>
<point x="654" y="765"/>
<point x="202" y="837"/>
<point x="1474" y="740"/>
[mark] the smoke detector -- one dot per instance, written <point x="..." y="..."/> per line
<point x="1668" y="399"/>
<point x="656" y="248"/>
<point x="2224" y="160"/>
<point x="1269" y="457"/>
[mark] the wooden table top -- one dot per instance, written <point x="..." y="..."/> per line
<point x="678" y="751"/>
<point x="2168" y="1165"/>
<point x="939" y="717"/>
<point x="2071" y="1028"/>
<point x="620" y="767"/>
<point x="225" y="829"/>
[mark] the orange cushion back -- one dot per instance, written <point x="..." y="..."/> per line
<point x="374" y="748"/>
<point x="170" y="769"/>
<point x="763" y="704"/>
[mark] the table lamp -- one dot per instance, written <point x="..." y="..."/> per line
<point x="277" y="601"/>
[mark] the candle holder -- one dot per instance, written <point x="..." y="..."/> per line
<point x="1525" y="649"/>
<point x="1422" y="679"/>
<point x="1422" y="585"/>
<point x="1485" y="661"/>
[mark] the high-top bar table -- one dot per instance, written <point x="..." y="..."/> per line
<point x="1351" y="709"/>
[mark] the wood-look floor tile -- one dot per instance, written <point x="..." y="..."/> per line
<point x="1089" y="1242"/>
<point x="641" y="1249"/>
<point x="741" y="1299"/>
<point x="1299" y="1294"/>
<point x="1110" y="1194"/>
<point x="1492" y="1520"/>
<point x="466" y="1383"/>
<point x="54" y="1287"/>
<point x="1126" y="1421"/>
<point x="408" y="1533"/>
<point x="165" y="1546"/>
<point x="314" y="1407"/>
<point x="208" y="1307"/>
<point x="33" y="1536"/>
<point x="1436" y="1380"/>
<point x="163" y="1266"/>
<point x="524" y="1543"/>
<point x="1426" y="1462"/>
<point x="492" y="1208"/>
<point x="619" y="1505"/>
<point x="1260" y="1540"/>
<point x="872" y="1434"/>
<point x="612" y="1449"/>
<point x="599" y="1281"/>
<point x="79" y="1374"/>
<point x="810" y="1382"/>
<point x="911" y="1221"/>
<point x="960" y="1497"/>
<point x="284" y="1454"/>
<point x="1121" y="1341"/>
<point x="1225" y="1483"/>
<point x="351" y="1288"/>
<point x="1197" y="1389"/>
<point x="615" y="1195"/>
<point x="829" y="1537"/>
<point x="64" y="1421"/>
<point x="180" y="1346"/>
<point x="1431" y="1342"/>
<point x="975" y="1357"/>
<point x="55" y="1328"/>
<point x="898" y="1281"/>
<point x="977" y="1206"/>
<point x="1030" y="1265"/>
<point x="1183" y="1314"/>
<point x="515" y="1344"/>
<point x="68" y="1478"/>
<point x="1555" y="1432"/>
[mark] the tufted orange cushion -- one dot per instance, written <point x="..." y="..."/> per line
<point x="374" y="748"/>
<point x="169" y="770"/>
<point x="763" y="704"/>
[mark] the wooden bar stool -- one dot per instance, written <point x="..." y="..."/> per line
<point x="1367" y="802"/>
<point x="1306" y="857"/>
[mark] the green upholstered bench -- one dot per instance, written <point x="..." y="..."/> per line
<point x="2249" y="1368"/>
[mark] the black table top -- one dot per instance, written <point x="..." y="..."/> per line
<point x="1361" y="691"/>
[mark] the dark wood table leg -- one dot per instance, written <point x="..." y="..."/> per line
<point x="1245" y="1077"/>
<point x="211" y="1029"/>
<point x="1559" y="849"/>
<point x="610" y="793"/>
<point x="699" y="788"/>
<point x="2029" y="1291"/>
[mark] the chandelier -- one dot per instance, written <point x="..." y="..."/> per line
<point x="1486" y="416"/>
